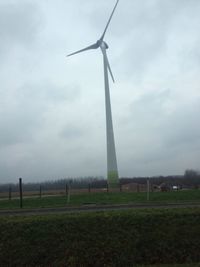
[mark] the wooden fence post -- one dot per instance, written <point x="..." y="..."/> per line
<point x="138" y="188"/>
<point x="66" y="190"/>
<point x="120" y="186"/>
<point x="20" y="193"/>
<point x="68" y="195"/>
<point x="40" y="191"/>
<point x="89" y="188"/>
<point x="69" y="186"/>
<point x="148" y="188"/>
<point x="10" y="192"/>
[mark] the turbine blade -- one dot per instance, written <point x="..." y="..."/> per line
<point x="107" y="63"/>
<point x="102" y="37"/>
<point x="94" y="46"/>
<point x="109" y="68"/>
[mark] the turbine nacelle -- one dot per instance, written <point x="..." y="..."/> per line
<point x="102" y="44"/>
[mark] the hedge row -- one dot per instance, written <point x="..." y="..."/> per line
<point x="117" y="239"/>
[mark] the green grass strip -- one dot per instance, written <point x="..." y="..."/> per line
<point x="102" y="198"/>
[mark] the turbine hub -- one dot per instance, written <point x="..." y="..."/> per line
<point x="102" y="44"/>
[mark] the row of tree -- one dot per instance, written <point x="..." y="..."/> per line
<point x="191" y="178"/>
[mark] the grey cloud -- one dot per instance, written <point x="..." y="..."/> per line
<point x="49" y="93"/>
<point x="19" y="24"/>
<point x="149" y="109"/>
<point x="19" y="121"/>
<point x="182" y="128"/>
<point x="71" y="131"/>
<point x="18" y="127"/>
<point x="159" y="137"/>
<point x="148" y="30"/>
<point x="24" y="114"/>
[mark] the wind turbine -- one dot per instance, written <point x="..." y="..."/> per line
<point x="112" y="170"/>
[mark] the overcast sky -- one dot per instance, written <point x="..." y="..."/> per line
<point x="52" y="110"/>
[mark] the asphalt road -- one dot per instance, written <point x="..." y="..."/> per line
<point x="95" y="208"/>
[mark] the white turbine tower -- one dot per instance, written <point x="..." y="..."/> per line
<point x="112" y="170"/>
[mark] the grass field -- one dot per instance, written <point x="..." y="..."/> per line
<point x="103" y="198"/>
<point x="112" y="239"/>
